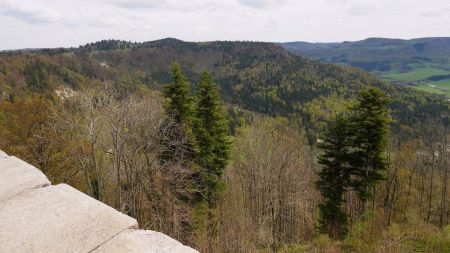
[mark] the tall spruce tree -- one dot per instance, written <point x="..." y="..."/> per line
<point x="353" y="158"/>
<point x="369" y="127"/>
<point x="334" y="178"/>
<point x="213" y="140"/>
<point x="178" y="100"/>
<point x="179" y="104"/>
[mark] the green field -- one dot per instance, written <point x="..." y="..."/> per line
<point x="418" y="76"/>
<point x="439" y="87"/>
<point x="415" y="75"/>
<point x="409" y="62"/>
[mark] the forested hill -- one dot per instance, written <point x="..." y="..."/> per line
<point x="376" y="53"/>
<point x="422" y="63"/>
<point x="262" y="77"/>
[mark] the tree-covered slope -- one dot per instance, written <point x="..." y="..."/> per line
<point x="376" y="53"/>
<point x="423" y="63"/>
<point x="262" y="77"/>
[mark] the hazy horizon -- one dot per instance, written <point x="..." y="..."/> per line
<point x="312" y="42"/>
<point x="52" y="23"/>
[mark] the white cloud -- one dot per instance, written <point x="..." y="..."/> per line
<point x="53" y="23"/>
<point x="360" y="9"/>
<point x="29" y="12"/>
<point x="436" y="11"/>
<point x="262" y="3"/>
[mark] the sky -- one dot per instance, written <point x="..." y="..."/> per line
<point x="65" y="23"/>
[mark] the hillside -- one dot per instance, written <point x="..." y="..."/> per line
<point x="422" y="63"/>
<point x="98" y="118"/>
<point x="261" y="77"/>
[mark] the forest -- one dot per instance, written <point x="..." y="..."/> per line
<point x="420" y="63"/>
<point x="235" y="146"/>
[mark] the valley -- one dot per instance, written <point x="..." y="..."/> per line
<point x="212" y="126"/>
<point x="419" y="63"/>
<point x="230" y="146"/>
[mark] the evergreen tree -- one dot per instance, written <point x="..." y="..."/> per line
<point x="179" y="104"/>
<point x="353" y="157"/>
<point x="178" y="99"/>
<point x="181" y="145"/>
<point x="211" y="131"/>
<point x="369" y="127"/>
<point x="334" y="178"/>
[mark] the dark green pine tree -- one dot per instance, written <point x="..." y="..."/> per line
<point x="177" y="97"/>
<point x="179" y="144"/>
<point x="178" y="141"/>
<point x="370" y="125"/>
<point x="334" y="178"/>
<point x="213" y="140"/>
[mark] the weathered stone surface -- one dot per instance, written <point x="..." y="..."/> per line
<point x="3" y="154"/>
<point x="57" y="219"/>
<point x="17" y="176"/>
<point x="136" y="241"/>
<point x="36" y="217"/>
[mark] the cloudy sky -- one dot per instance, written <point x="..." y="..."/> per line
<point x="55" y="23"/>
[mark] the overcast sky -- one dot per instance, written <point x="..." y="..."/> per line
<point x="55" y="23"/>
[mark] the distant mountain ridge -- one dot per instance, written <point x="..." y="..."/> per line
<point x="419" y="46"/>
<point x="414" y="62"/>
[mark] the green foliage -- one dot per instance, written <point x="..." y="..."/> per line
<point x="334" y="178"/>
<point x="205" y="125"/>
<point x="254" y="77"/>
<point x="369" y="130"/>
<point x="367" y="236"/>
<point x="211" y="131"/>
<point x="178" y="100"/>
<point x="213" y="142"/>
<point x="179" y="104"/>
<point x="202" y="121"/>
<point x="353" y="156"/>
<point x="36" y="76"/>
<point x="200" y="220"/>
<point x="259" y="77"/>
<point x="410" y="62"/>
<point x="108" y="45"/>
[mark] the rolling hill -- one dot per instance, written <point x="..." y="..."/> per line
<point x="261" y="77"/>
<point x="423" y="63"/>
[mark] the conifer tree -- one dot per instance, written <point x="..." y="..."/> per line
<point x="178" y="99"/>
<point x="353" y="157"/>
<point x="179" y="104"/>
<point x="369" y="127"/>
<point x="334" y="178"/>
<point x="211" y="131"/>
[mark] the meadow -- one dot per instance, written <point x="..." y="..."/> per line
<point x="419" y="78"/>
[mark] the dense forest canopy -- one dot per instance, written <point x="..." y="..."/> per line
<point x="261" y="77"/>
<point x="421" y="63"/>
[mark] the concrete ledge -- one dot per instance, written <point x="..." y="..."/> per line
<point x="17" y="176"/>
<point x="58" y="219"/>
<point x="136" y="241"/>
